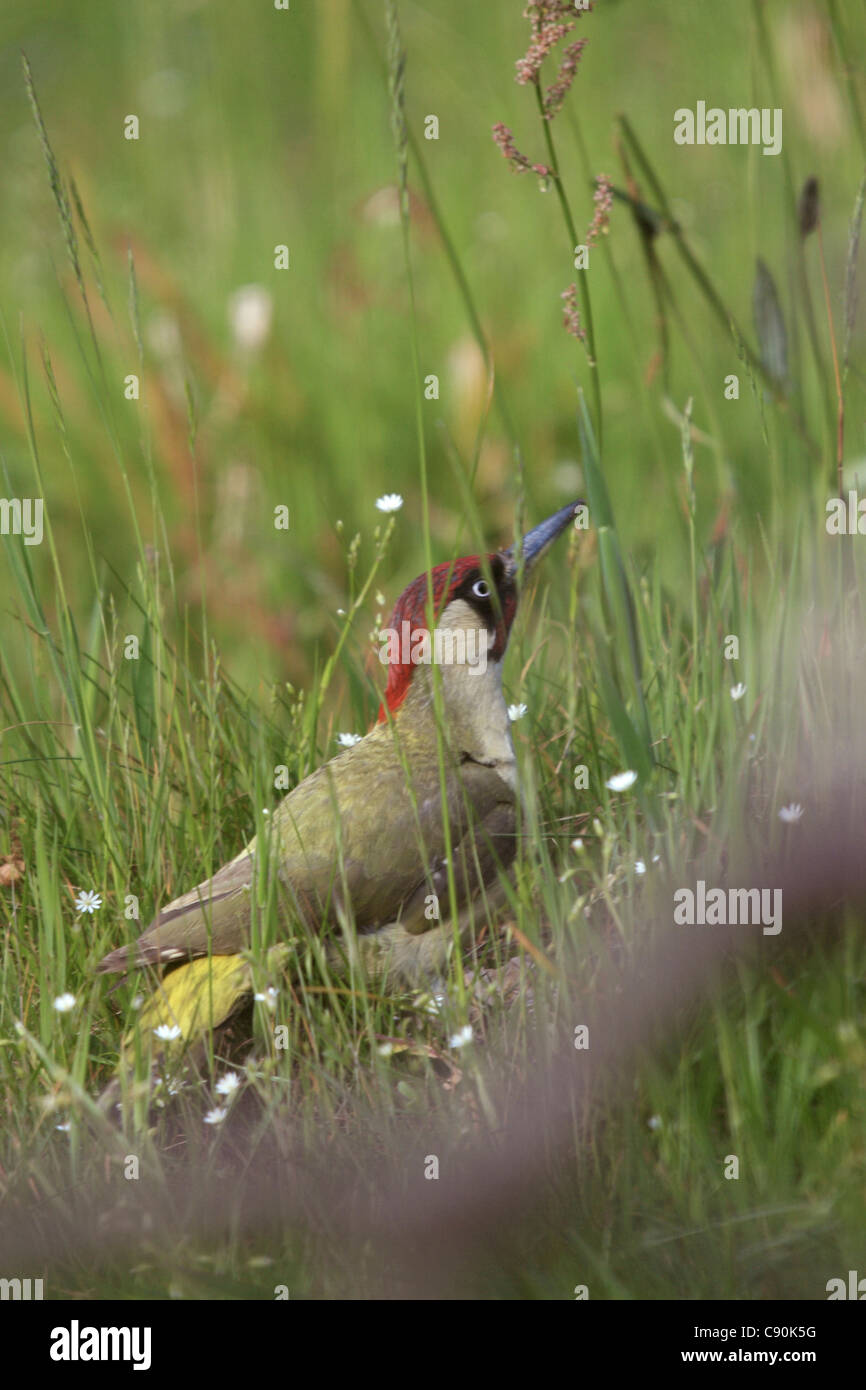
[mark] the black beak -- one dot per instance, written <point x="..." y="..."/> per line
<point x="539" y="540"/>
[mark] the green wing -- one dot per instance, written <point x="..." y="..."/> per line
<point x="352" y="837"/>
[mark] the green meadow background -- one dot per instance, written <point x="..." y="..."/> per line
<point x="258" y="128"/>
<point x="273" y="128"/>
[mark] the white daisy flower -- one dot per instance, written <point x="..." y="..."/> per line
<point x="639" y="866"/>
<point x="792" y="813"/>
<point x="391" y="502"/>
<point x="348" y="740"/>
<point x="462" y="1038"/>
<point x="215" y="1116"/>
<point x="64" y="1002"/>
<point x="516" y="712"/>
<point x="738" y="691"/>
<point x="167" y="1032"/>
<point x="621" y="781"/>
<point x="87" y="902"/>
<point x="228" y="1084"/>
<point x="251" y="310"/>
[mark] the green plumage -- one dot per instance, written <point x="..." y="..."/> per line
<point x="359" y="848"/>
<point x="361" y="841"/>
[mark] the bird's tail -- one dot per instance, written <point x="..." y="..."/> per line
<point x="191" y="1000"/>
<point x="178" y="1016"/>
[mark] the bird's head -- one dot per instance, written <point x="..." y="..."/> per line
<point x="474" y="602"/>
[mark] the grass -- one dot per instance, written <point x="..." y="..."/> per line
<point x="134" y="776"/>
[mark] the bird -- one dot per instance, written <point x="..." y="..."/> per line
<point x="374" y="851"/>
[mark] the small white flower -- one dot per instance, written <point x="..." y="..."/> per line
<point x="435" y="1002"/>
<point x="348" y="740"/>
<point x="87" y="902"/>
<point x="267" y="997"/>
<point x="137" y="1001"/>
<point x="621" y="781"/>
<point x="391" y="502"/>
<point x="738" y="691"/>
<point x="385" y="1049"/>
<point x="167" y="1032"/>
<point x="265" y="811"/>
<point x="64" y="1002"/>
<point x="164" y="335"/>
<point x="250" y="312"/>
<point x="639" y="866"/>
<point x="654" y="1122"/>
<point x="215" y="1116"/>
<point x="64" y="1127"/>
<point x="792" y="813"/>
<point x="577" y="844"/>
<point x="516" y="712"/>
<point x="228" y="1084"/>
<point x="462" y="1038"/>
<point x="382" y="208"/>
<point x="656" y="858"/>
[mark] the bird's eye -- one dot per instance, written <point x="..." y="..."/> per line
<point x="480" y="589"/>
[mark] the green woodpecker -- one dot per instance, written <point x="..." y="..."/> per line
<point x="360" y="848"/>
